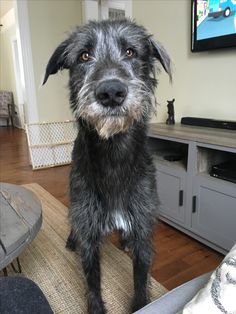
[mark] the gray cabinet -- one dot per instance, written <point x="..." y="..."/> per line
<point x="171" y="187"/>
<point x="214" y="211"/>
<point x="202" y="206"/>
<point x="171" y="177"/>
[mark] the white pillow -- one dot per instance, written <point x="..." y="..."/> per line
<point x="219" y="294"/>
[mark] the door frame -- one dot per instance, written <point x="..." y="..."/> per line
<point x="26" y="60"/>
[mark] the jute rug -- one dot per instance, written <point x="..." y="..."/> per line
<point x="58" y="273"/>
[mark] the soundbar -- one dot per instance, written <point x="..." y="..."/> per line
<point x="209" y="123"/>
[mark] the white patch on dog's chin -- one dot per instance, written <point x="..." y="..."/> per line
<point x="105" y="124"/>
<point x="109" y="126"/>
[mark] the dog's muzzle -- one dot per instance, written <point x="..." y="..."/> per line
<point x="111" y="93"/>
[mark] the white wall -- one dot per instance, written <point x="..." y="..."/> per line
<point x="8" y="33"/>
<point x="204" y="83"/>
<point x="7" y="75"/>
<point x="49" y="23"/>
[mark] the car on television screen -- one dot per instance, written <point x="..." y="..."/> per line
<point x="221" y="7"/>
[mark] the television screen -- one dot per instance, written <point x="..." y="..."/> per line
<point x="213" y="24"/>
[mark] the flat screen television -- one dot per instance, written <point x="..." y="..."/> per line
<point x="213" y="24"/>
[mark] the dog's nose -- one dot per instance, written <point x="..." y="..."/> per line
<point x="111" y="93"/>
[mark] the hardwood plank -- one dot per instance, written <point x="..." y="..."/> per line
<point x="178" y="257"/>
<point x="15" y="166"/>
<point x="166" y="256"/>
<point x="205" y="265"/>
<point x="170" y="270"/>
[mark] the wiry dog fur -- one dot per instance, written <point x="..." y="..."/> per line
<point x="113" y="183"/>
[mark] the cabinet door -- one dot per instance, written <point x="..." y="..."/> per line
<point x="214" y="211"/>
<point x="170" y="188"/>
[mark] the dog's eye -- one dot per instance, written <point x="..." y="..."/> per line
<point x="129" y="52"/>
<point x="85" y="56"/>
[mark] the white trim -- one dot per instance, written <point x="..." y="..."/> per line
<point x="23" y="38"/>
<point x="125" y="5"/>
<point x="90" y="10"/>
<point x="98" y="9"/>
<point x="129" y="8"/>
<point x="18" y="83"/>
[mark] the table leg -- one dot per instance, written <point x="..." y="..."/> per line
<point x="5" y="272"/>
<point x="19" y="270"/>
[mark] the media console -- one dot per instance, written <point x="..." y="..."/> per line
<point x="193" y="201"/>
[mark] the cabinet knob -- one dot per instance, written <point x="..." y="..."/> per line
<point x="194" y="205"/>
<point x="181" y="198"/>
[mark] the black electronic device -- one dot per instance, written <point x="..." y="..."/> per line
<point x="209" y="123"/>
<point x="213" y="24"/>
<point x="225" y="170"/>
<point x="173" y="157"/>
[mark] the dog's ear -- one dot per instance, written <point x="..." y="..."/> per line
<point x="160" y="53"/>
<point x="58" y="60"/>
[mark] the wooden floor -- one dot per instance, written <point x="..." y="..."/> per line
<point x="178" y="258"/>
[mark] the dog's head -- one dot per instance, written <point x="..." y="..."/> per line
<point x="112" y="73"/>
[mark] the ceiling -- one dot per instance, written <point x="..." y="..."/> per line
<point x="5" y="6"/>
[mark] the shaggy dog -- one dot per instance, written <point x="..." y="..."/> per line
<point x="112" y="184"/>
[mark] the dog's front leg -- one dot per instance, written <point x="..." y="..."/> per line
<point x="90" y="258"/>
<point x="141" y="263"/>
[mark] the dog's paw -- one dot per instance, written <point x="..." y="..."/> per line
<point x="96" y="305"/>
<point x="124" y="245"/>
<point x="126" y="249"/>
<point x="138" y="303"/>
<point x="71" y="244"/>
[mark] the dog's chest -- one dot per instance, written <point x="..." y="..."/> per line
<point x="112" y="177"/>
<point x="120" y="222"/>
<point x="117" y="222"/>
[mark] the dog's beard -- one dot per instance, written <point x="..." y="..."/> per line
<point x="109" y="126"/>
<point x="110" y="121"/>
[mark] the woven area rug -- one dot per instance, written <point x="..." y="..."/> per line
<point x="57" y="270"/>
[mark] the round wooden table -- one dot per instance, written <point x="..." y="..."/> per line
<point x="20" y="221"/>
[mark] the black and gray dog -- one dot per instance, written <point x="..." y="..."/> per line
<point x="113" y="187"/>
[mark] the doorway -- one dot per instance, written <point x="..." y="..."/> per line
<point x="104" y="9"/>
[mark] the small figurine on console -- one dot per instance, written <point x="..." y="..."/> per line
<point x="171" y="112"/>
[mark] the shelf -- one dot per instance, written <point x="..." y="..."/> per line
<point x="212" y="136"/>
<point x="162" y="149"/>
<point x="206" y="176"/>
<point x="208" y="157"/>
<point x="159" y="159"/>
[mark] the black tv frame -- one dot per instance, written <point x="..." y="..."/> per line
<point x="226" y="41"/>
